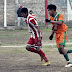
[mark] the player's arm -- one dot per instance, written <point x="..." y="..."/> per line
<point x="39" y="38"/>
<point x="51" y="36"/>
<point x="59" y="22"/>
<point x="54" y="22"/>
<point x="34" y="22"/>
<point x="38" y="28"/>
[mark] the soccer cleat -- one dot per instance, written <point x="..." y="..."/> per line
<point x="46" y="63"/>
<point x="68" y="65"/>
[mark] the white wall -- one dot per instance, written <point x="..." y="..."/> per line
<point x="69" y="11"/>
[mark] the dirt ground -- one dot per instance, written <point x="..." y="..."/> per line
<point x="20" y="60"/>
<point x="17" y="59"/>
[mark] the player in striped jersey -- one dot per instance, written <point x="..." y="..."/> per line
<point x="34" y="44"/>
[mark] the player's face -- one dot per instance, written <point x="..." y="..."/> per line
<point x="24" y="15"/>
<point x="50" y="12"/>
<point x="30" y="12"/>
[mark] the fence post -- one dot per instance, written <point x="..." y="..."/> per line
<point x="16" y="7"/>
<point x="5" y="13"/>
<point x="46" y="13"/>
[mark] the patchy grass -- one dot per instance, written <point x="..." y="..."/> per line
<point x="20" y="37"/>
<point x="15" y="50"/>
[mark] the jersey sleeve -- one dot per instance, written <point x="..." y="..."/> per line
<point x="33" y="21"/>
<point x="61" y="18"/>
<point x="50" y="18"/>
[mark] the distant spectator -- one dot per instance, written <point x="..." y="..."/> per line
<point x="31" y="12"/>
<point x="20" y="17"/>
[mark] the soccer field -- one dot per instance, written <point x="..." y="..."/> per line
<point x="18" y="18"/>
<point x="15" y="58"/>
<point x="20" y="37"/>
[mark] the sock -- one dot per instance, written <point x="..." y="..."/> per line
<point x="42" y="54"/>
<point x="69" y="61"/>
<point x="33" y="50"/>
<point x="69" y="51"/>
<point x="67" y="58"/>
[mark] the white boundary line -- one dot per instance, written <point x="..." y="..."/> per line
<point x="25" y="45"/>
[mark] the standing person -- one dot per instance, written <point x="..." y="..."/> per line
<point x="31" y="12"/>
<point x="34" y="44"/>
<point x="20" y="17"/>
<point x="60" y="29"/>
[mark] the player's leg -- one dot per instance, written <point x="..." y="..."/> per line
<point x="40" y="52"/>
<point x="64" y="52"/>
<point x="62" y="39"/>
<point x="37" y="49"/>
<point x="30" y="49"/>
<point x="30" y="45"/>
<point x="69" y="51"/>
<point x="43" y="56"/>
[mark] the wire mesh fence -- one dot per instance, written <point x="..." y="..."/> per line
<point x="38" y="7"/>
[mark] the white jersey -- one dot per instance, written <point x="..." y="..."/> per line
<point x="32" y="23"/>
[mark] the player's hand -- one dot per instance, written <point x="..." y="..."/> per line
<point x="53" y="27"/>
<point x="51" y="37"/>
<point x="39" y="40"/>
<point x="47" y="20"/>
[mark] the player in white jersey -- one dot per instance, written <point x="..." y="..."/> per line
<point x="34" y="44"/>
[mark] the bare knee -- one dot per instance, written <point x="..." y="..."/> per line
<point x="37" y="49"/>
<point x="60" y="51"/>
<point x="28" y="48"/>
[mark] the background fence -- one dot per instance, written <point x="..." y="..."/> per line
<point x="38" y="7"/>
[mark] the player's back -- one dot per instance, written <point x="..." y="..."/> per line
<point x="32" y="23"/>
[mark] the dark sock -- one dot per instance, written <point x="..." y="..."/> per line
<point x="67" y="58"/>
<point x="69" y="51"/>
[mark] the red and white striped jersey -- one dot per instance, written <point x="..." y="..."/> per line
<point x="32" y="23"/>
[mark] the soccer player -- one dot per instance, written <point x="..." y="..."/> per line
<point x="34" y="43"/>
<point x="60" y="29"/>
<point x="31" y="12"/>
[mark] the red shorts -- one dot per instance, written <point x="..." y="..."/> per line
<point x="33" y="42"/>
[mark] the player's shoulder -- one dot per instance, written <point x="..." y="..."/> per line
<point x="51" y="18"/>
<point x="60" y="14"/>
<point x="31" y="17"/>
